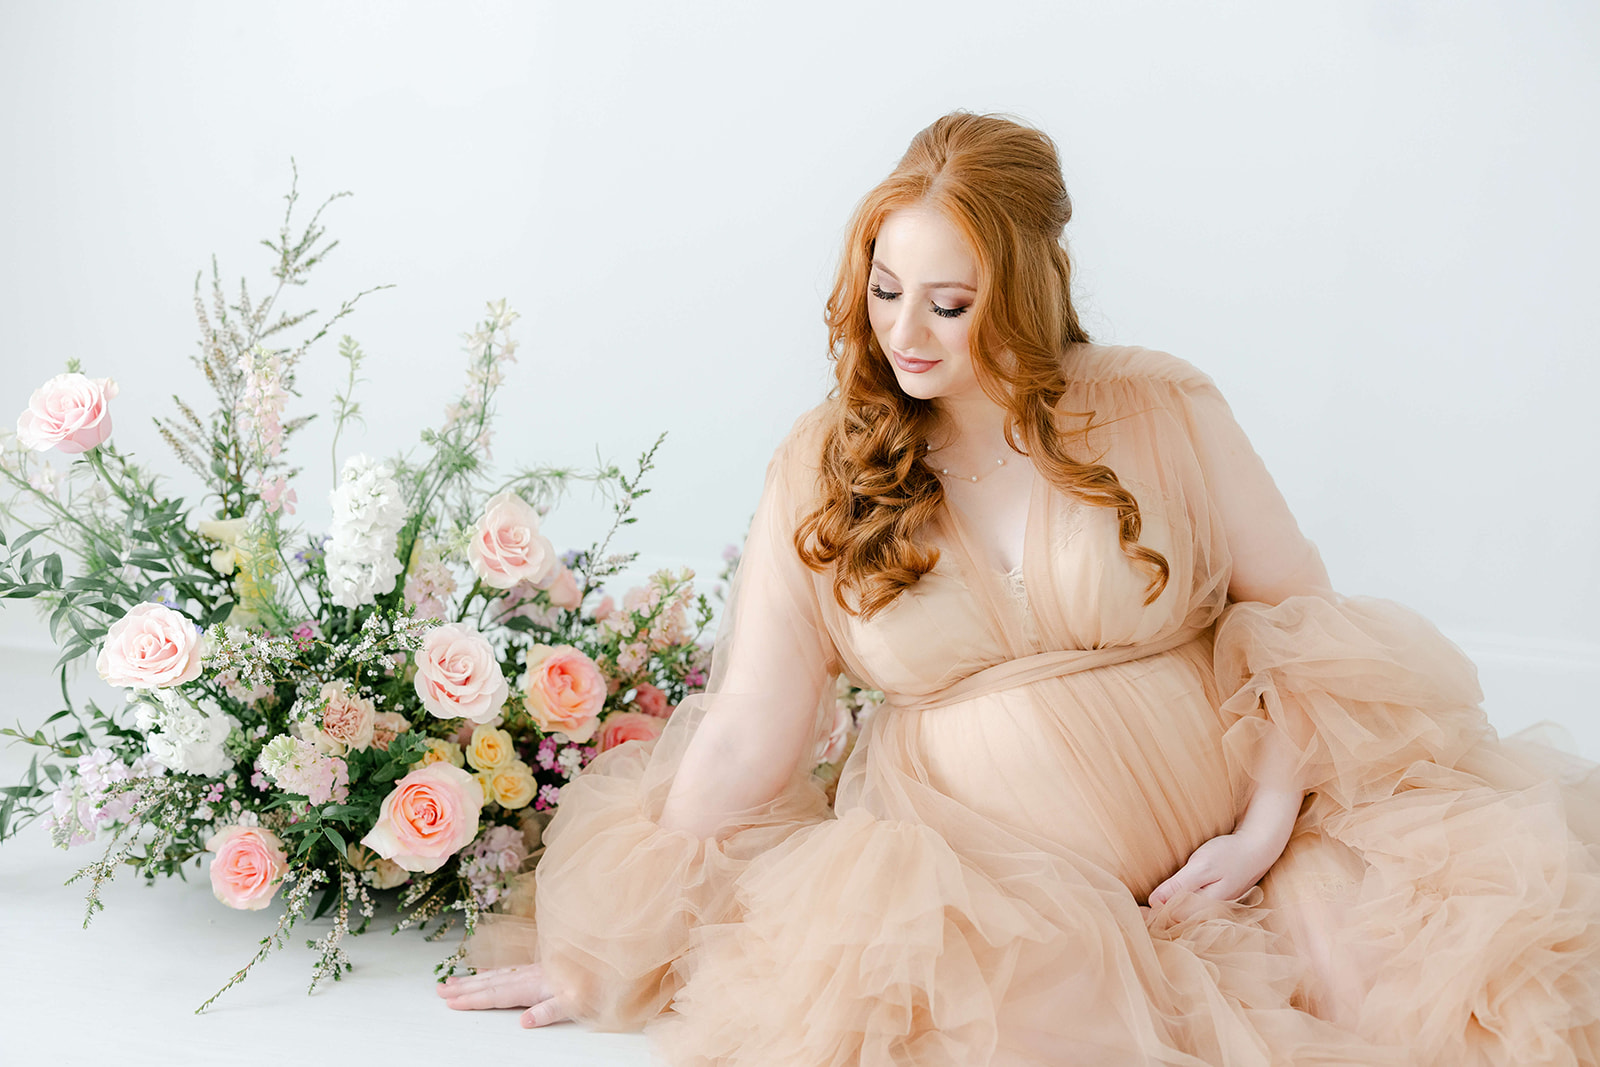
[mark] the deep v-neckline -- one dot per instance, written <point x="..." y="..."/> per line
<point x="983" y="561"/>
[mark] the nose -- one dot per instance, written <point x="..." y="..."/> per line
<point x="907" y="329"/>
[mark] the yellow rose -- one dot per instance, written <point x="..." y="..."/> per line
<point x="513" y="786"/>
<point x="482" y="778"/>
<point x="491" y="748"/>
<point x="440" y="751"/>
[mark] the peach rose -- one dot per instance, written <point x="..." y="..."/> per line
<point x="386" y="726"/>
<point x="511" y="786"/>
<point x="348" y="721"/>
<point x="564" y="691"/>
<point x="623" y="726"/>
<point x="458" y="674"/>
<point x="429" y="816"/>
<point x="651" y="700"/>
<point x="490" y="749"/>
<point x="69" y="412"/>
<point x="151" y="647"/>
<point x="564" y="592"/>
<point x="247" y="867"/>
<point x="507" y="547"/>
<point x="376" y="871"/>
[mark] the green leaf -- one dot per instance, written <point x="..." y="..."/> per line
<point x="334" y="839"/>
<point x="21" y="542"/>
<point x="218" y="613"/>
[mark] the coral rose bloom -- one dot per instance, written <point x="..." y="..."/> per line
<point x="623" y="726"/>
<point x="69" y="412"/>
<point x="564" y="691"/>
<point x="430" y="816"/>
<point x="458" y="674"/>
<point x="507" y="547"/>
<point x="151" y="647"/>
<point x="248" y="866"/>
<point x="651" y="700"/>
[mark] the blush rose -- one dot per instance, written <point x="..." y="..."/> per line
<point x="623" y="726"/>
<point x="507" y="547"/>
<point x="563" y="690"/>
<point x="458" y="674"/>
<point x="650" y="700"/>
<point x="151" y="647"/>
<point x="70" y="412"/>
<point x="430" y="815"/>
<point x="247" y="866"/>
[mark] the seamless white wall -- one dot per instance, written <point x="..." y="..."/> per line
<point x="1372" y="223"/>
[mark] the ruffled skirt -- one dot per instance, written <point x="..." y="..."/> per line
<point x="978" y="896"/>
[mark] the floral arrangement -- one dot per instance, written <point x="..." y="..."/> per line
<point x="391" y="705"/>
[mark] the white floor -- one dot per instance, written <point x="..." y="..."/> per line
<point x="124" y="990"/>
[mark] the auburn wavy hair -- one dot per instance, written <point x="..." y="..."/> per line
<point x="1000" y="183"/>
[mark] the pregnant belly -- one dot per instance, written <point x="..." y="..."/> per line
<point x="1121" y="765"/>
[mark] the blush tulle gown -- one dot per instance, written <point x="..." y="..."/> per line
<point x="1050" y="750"/>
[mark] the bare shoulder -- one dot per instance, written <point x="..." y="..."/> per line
<point x="1092" y="363"/>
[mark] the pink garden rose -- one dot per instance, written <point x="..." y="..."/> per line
<point x="248" y="866"/>
<point x="69" y="412"/>
<point x="563" y="590"/>
<point x="386" y="726"/>
<point x="458" y="674"/>
<point x="151" y="647"/>
<point x="564" y="691"/>
<point x="651" y="700"/>
<point x="623" y="726"/>
<point x="430" y="816"/>
<point x="507" y="547"/>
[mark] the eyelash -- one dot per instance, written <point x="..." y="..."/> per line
<point x="943" y="312"/>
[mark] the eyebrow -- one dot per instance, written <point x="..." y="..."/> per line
<point x="933" y="285"/>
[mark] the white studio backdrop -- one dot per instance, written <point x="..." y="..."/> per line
<point x="1372" y="223"/>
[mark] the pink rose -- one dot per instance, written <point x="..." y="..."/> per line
<point x="605" y="609"/>
<point x="507" y="547"/>
<point x="248" y="866"/>
<point x="564" y="592"/>
<point x="430" y="815"/>
<point x="458" y="674"/>
<point x="623" y="726"/>
<point x="151" y="647"/>
<point x="69" y="412"/>
<point x="386" y="726"/>
<point x="348" y="721"/>
<point x="650" y="700"/>
<point x="564" y="691"/>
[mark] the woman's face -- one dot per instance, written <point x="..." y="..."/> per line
<point x="924" y="280"/>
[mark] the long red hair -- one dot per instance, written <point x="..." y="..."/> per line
<point x="999" y="182"/>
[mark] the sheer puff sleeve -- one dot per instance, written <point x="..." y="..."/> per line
<point x="1365" y="690"/>
<point x="649" y="839"/>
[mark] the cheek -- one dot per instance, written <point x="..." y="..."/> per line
<point x="880" y="315"/>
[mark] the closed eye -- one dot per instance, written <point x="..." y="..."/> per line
<point x="944" y="312"/>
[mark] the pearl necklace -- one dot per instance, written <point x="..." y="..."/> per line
<point x="974" y="477"/>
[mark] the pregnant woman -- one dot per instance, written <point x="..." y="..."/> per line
<point x="1144" y="787"/>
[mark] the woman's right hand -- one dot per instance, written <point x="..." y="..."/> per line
<point x="506" y="987"/>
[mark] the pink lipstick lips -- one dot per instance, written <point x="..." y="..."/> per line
<point x="912" y="366"/>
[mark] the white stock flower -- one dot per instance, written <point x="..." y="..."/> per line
<point x="183" y="737"/>
<point x="368" y="511"/>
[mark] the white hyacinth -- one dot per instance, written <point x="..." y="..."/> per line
<point x="182" y="736"/>
<point x="368" y="512"/>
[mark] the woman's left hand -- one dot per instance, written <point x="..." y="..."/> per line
<point x="1223" y="868"/>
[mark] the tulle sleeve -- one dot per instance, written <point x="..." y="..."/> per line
<point x="648" y="840"/>
<point x="1365" y="689"/>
